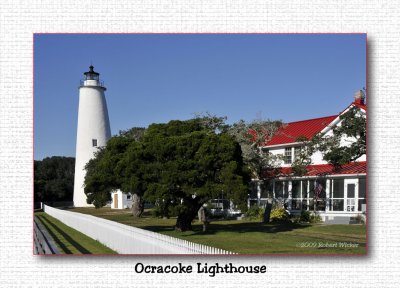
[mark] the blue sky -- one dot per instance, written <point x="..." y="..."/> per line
<point x="154" y="78"/>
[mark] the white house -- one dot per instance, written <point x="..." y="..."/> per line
<point x="341" y="192"/>
<point x="120" y="200"/>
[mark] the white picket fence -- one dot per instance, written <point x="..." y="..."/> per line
<point x="126" y="239"/>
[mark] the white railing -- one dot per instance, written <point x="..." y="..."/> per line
<point x="126" y="239"/>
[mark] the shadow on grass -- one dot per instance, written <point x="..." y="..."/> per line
<point x="239" y="227"/>
<point x="79" y="247"/>
<point x="56" y="239"/>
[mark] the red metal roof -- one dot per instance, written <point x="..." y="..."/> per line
<point x="290" y="132"/>
<point x="327" y="169"/>
<point x="360" y="105"/>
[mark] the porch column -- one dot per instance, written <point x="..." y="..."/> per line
<point x="327" y="194"/>
<point x="289" y="200"/>
<point x="273" y="189"/>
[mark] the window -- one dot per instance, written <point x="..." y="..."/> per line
<point x="94" y="142"/>
<point x="337" y="195"/>
<point x="304" y="188"/>
<point x="297" y="151"/>
<point x="311" y="189"/>
<point x="350" y="203"/>
<point x="278" y="189"/>
<point x="296" y="195"/>
<point x="351" y="190"/>
<point x="253" y="189"/>
<point x="362" y="189"/>
<point x="288" y="156"/>
<point x="266" y="189"/>
<point x="281" y="189"/>
<point x="317" y="190"/>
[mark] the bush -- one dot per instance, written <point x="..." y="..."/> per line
<point x="296" y="219"/>
<point x="279" y="215"/>
<point x="315" y="218"/>
<point x="160" y="211"/>
<point x="360" y="219"/>
<point x="305" y="216"/>
<point x="255" y="213"/>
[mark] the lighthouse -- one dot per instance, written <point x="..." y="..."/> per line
<point x="93" y="129"/>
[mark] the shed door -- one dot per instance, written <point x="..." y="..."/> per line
<point x="115" y="200"/>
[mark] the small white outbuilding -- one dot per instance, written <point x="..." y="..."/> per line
<point x="120" y="200"/>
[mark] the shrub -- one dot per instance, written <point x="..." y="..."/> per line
<point x="315" y="218"/>
<point x="296" y="219"/>
<point x="160" y="211"/>
<point x="305" y="216"/>
<point x="279" y="215"/>
<point x="255" y="212"/>
<point x="360" y="219"/>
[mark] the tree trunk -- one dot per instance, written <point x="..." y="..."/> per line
<point x="185" y="218"/>
<point x="203" y="218"/>
<point x="184" y="222"/>
<point x="267" y="213"/>
<point x="137" y="205"/>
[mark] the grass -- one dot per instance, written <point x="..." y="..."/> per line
<point x="251" y="237"/>
<point x="69" y="240"/>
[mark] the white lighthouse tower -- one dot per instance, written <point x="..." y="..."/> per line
<point x="93" y="128"/>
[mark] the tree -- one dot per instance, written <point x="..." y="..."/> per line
<point x="349" y="139"/>
<point x="262" y="164"/>
<point x="113" y="167"/>
<point x="54" y="179"/>
<point x="182" y="164"/>
<point x="191" y="164"/>
<point x="102" y="175"/>
<point x="303" y="158"/>
<point x="251" y="137"/>
<point x="135" y="133"/>
<point x="132" y="170"/>
<point x="345" y="144"/>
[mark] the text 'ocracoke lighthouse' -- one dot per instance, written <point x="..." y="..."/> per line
<point x="93" y="129"/>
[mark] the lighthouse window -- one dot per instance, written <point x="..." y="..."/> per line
<point x="94" y="142"/>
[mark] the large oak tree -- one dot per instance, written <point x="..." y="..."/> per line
<point x="184" y="163"/>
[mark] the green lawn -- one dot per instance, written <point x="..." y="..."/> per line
<point x="69" y="240"/>
<point x="251" y="237"/>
